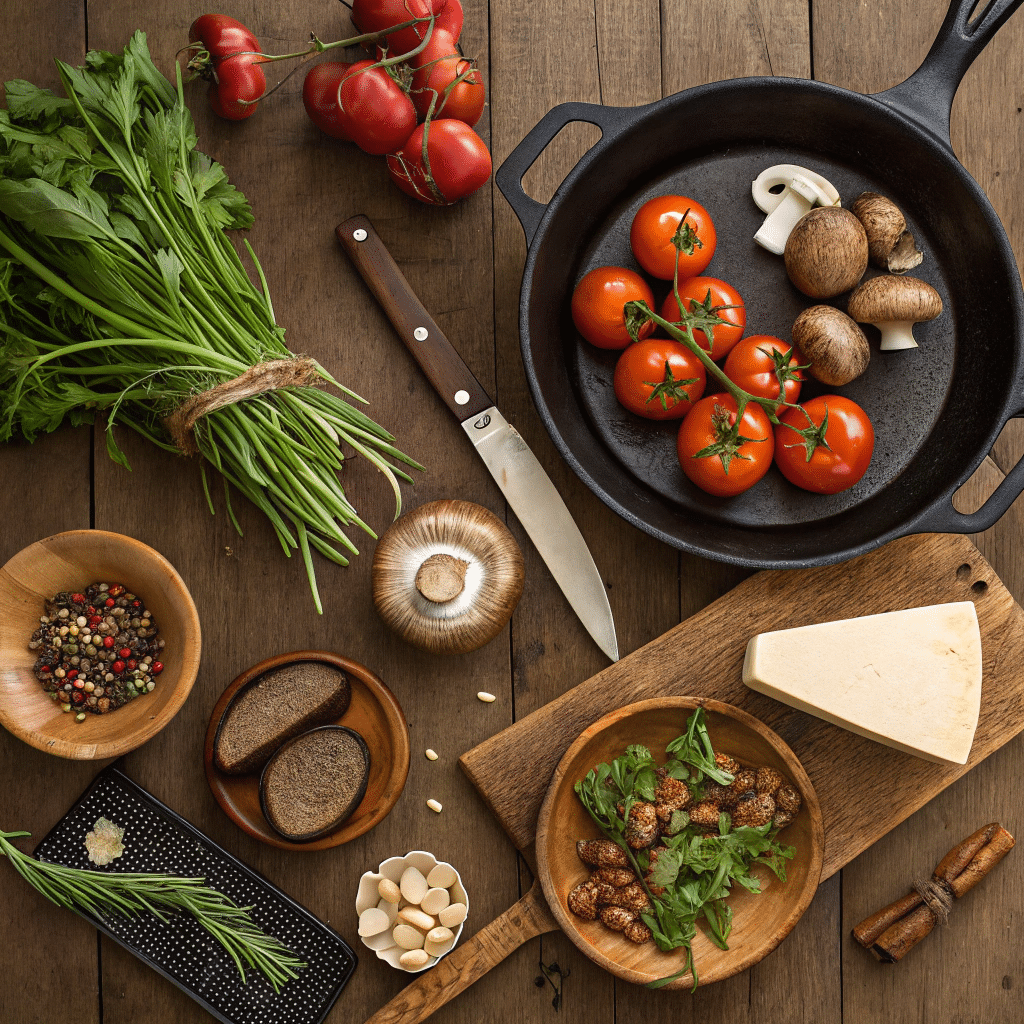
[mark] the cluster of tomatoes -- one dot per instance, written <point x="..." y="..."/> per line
<point x="823" y="445"/>
<point x="415" y="100"/>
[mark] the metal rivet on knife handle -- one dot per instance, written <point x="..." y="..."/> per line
<point x="421" y="334"/>
<point x="461" y="397"/>
<point x="359" y="234"/>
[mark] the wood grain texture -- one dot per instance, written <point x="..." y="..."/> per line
<point x="704" y="656"/>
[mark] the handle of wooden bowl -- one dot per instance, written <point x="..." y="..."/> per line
<point x="472" y="960"/>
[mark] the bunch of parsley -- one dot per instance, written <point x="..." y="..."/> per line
<point x="121" y="292"/>
<point x="696" y="873"/>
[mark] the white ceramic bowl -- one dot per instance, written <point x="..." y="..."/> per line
<point x="367" y="896"/>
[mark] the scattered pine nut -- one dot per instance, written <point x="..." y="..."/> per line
<point x="487" y="698"/>
<point x="431" y="754"/>
<point x="434" y="805"/>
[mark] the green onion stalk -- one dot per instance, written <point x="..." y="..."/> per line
<point x="121" y="294"/>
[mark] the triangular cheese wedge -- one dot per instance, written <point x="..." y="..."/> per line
<point x="910" y="679"/>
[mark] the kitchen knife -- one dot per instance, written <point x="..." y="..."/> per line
<point x="527" y="488"/>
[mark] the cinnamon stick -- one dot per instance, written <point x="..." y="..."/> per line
<point x="894" y="930"/>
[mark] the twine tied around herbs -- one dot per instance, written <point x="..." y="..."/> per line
<point x="299" y="371"/>
<point x="937" y="895"/>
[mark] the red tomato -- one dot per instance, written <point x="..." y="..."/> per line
<point x="240" y="83"/>
<point x="450" y="19"/>
<point x="734" y="458"/>
<point x="222" y="35"/>
<point x="704" y="294"/>
<point x="464" y="101"/>
<point x="655" y="225"/>
<point x="659" y="379"/>
<point x="757" y="363"/>
<point x="597" y="305"/>
<point x="456" y="162"/>
<point x="829" y="460"/>
<point x="320" y="97"/>
<point x="379" y="15"/>
<point x="441" y="44"/>
<point x="375" y="111"/>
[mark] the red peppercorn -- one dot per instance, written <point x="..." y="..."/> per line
<point x="91" y="609"/>
<point x="78" y="598"/>
<point x="108" y="641"/>
<point x="132" y="664"/>
<point x="117" y="667"/>
<point x="77" y="697"/>
<point x="45" y="668"/>
<point x="95" y="620"/>
<point x="72" y="672"/>
<point x="110" y="602"/>
<point x="116" y="589"/>
<point x="136" y="604"/>
<point x="78" y="684"/>
<point x="125" y="652"/>
<point x="156" y="668"/>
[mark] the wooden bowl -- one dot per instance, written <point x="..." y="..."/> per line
<point x="71" y="561"/>
<point x="760" y="922"/>
<point x="373" y="713"/>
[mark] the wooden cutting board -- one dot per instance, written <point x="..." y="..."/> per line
<point x="865" y="789"/>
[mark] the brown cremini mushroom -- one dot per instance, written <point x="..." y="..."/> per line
<point x="890" y="245"/>
<point x="894" y="305"/>
<point x="447" y="576"/>
<point x="834" y="345"/>
<point x="827" y="252"/>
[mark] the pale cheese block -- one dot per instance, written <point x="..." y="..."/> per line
<point x="909" y="679"/>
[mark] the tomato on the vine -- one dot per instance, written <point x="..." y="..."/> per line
<point x="320" y="97"/>
<point x="597" y="305"/>
<point x="380" y="15"/>
<point x="659" y="379"/>
<point x="718" y="454"/>
<point x="376" y="111"/>
<point x="450" y="19"/>
<point x="707" y="295"/>
<point x="222" y="36"/>
<point x="759" y="362"/>
<point x="240" y="83"/>
<point x="441" y="44"/>
<point x="664" y="219"/>
<point x="441" y="162"/>
<point x="827" y="450"/>
<point x="464" y="100"/>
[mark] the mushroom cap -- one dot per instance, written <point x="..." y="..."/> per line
<point x="836" y="347"/>
<point x="826" y="252"/>
<point x="888" y="299"/>
<point x="890" y="245"/>
<point x="447" y="576"/>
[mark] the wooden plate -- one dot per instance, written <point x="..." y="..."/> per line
<point x="760" y="922"/>
<point x="71" y="561"/>
<point x="374" y="714"/>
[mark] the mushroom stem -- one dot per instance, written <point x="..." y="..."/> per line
<point x="897" y="335"/>
<point x="442" y="577"/>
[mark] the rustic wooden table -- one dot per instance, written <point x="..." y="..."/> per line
<point x="465" y="262"/>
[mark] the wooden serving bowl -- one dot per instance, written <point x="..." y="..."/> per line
<point x="374" y="713"/>
<point x="760" y="922"/>
<point x="71" y="561"/>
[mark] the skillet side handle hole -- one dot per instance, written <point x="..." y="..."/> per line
<point x="560" y="156"/>
<point x="979" y="488"/>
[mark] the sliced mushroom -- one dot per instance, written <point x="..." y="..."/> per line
<point x="786" y="192"/>
<point x="890" y="245"/>
<point x="447" y="576"/>
<point x="827" y="252"/>
<point x="894" y="305"/>
<point x="836" y="347"/>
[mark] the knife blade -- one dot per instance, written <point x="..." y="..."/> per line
<point x="516" y="470"/>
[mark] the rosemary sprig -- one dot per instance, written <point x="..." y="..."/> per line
<point x="129" y="894"/>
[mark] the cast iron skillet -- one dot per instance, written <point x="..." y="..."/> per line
<point x="936" y="410"/>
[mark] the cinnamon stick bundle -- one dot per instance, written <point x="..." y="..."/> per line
<point x="892" y="932"/>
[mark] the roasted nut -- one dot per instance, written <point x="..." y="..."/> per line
<point x="755" y="812"/>
<point x="636" y="931"/>
<point x="721" y="795"/>
<point x="601" y="853"/>
<point x="616" y="918"/>
<point x="603" y="892"/>
<point x="787" y="799"/>
<point x="768" y="780"/>
<point x="745" y="782"/>
<point x="615" y="877"/>
<point x="583" y="901"/>
<point x="705" y="814"/>
<point x="727" y="763"/>
<point x="670" y="796"/>
<point x="642" y="825"/>
<point x="631" y="897"/>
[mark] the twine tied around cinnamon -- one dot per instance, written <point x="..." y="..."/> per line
<point x="272" y="375"/>
<point x="937" y="895"/>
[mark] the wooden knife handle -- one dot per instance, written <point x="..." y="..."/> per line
<point x="473" y="959"/>
<point x="452" y="378"/>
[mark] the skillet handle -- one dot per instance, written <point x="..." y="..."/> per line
<point x="509" y="176"/>
<point x="943" y="518"/>
<point x="927" y="95"/>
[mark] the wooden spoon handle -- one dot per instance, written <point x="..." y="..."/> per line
<point x="473" y="959"/>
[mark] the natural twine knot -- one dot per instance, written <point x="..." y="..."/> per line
<point x="299" y="371"/>
<point x="937" y="895"/>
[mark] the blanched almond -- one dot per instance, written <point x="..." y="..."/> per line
<point x="452" y="916"/>
<point x="413" y="885"/>
<point x="441" y="877"/>
<point x="413" y="959"/>
<point x="408" y="937"/>
<point x="439" y="941"/>
<point x="391" y="909"/>
<point x="435" y="901"/>
<point x="389" y="890"/>
<point x="416" y="917"/>
<point x="372" y="921"/>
